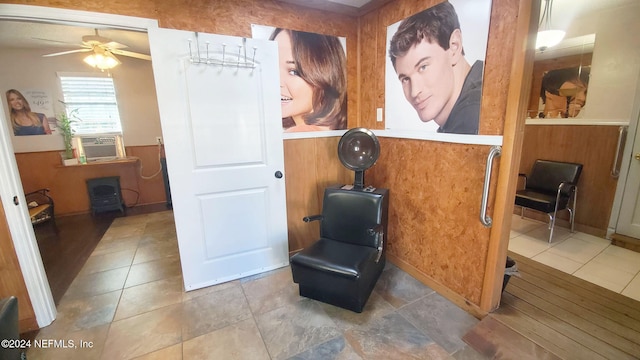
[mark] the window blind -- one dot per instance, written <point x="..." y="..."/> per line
<point x="94" y="101"/>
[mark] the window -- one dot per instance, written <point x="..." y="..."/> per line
<point x="93" y="98"/>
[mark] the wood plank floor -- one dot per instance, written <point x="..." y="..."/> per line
<point x="548" y="314"/>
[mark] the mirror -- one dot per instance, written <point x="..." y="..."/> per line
<point x="561" y="78"/>
<point x="601" y="38"/>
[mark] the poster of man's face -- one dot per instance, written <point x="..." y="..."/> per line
<point x="313" y="78"/>
<point x="434" y="68"/>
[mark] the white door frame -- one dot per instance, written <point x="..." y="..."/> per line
<point x="627" y="157"/>
<point x="18" y="220"/>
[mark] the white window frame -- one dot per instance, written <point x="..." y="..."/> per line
<point x="112" y="124"/>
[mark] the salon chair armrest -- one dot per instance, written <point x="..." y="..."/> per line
<point x="378" y="231"/>
<point x="312" y="218"/>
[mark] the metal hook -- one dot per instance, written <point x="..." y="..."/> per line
<point x="207" y="58"/>
<point x="239" y="53"/>
<point x="254" y="56"/>
<point x="190" y="53"/>
<point x="224" y="46"/>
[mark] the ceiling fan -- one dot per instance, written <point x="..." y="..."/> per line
<point x="100" y="46"/>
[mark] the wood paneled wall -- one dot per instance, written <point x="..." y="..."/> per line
<point x="11" y="281"/>
<point x="310" y="166"/>
<point x="592" y="146"/>
<point x="435" y="188"/>
<point x="67" y="183"/>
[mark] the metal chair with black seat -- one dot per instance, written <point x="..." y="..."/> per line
<point x="551" y="186"/>
<point x="40" y="206"/>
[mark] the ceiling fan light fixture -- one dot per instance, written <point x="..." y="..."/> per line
<point x="547" y="36"/>
<point x="102" y="61"/>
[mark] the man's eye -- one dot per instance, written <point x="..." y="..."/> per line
<point x="293" y="72"/>
<point x="404" y="80"/>
<point x="422" y="67"/>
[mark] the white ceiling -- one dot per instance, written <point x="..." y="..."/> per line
<point x="57" y="37"/>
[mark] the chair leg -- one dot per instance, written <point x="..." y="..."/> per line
<point x="552" y="223"/>
<point x="572" y="210"/>
<point x="571" y="217"/>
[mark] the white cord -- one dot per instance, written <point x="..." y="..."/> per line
<point x="159" y="164"/>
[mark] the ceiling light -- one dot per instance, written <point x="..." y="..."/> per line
<point x="102" y="60"/>
<point x="547" y="37"/>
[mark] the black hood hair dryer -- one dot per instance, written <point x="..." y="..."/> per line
<point x="358" y="150"/>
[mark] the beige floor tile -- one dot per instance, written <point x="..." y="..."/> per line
<point x="578" y="250"/>
<point x="527" y="246"/>
<point x="375" y="307"/>
<point x="557" y="261"/>
<point x="214" y="311"/>
<point x="116" y="245"/>
<point x="145" y="333"/>
<point x="139" y="299"/>
<point x="372" y="341"/>
<point x="633" y="289"/>
<point x="108" y="261"/>
<point x="173" y="352"/>
<point x="124" y="231"/>
<point x="87" y="312"/>
<point x="97" y="283"/>
<point x="186" y="296"/>
<point x="81" y="345"/>
<point x="605" y="276"/>
<point x="523" y="226"/>
<point x="152" y="252"/>
<point x="238" y="341"/>
<point x="271" y="292"/>
<point x="612" y="257"/>
<point x="153" y="270"/>
<point x="294" y="328"/>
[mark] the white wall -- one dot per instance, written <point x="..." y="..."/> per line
<point x="133" y="79"/>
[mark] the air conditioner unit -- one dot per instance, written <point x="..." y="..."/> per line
<point x="100" y="147"/>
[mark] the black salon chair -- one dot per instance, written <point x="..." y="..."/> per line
<point x="550" y="187"/>
<point x="9" y="328"/>
<point x="343" y="266"/>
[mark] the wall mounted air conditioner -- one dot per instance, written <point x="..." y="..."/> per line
<point x="100" y="147"/>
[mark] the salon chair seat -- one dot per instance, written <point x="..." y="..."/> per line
<point x="342" y="267"/>
<point x="40" y="206"/>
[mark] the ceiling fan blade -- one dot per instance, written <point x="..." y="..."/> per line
<point x="115" y="45"/>
<point x="67" y="52"/>
<point x="131" y="54"/>
<point x="58" y="41"/>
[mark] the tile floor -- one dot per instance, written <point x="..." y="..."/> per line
<point x="585" y="256"/>
<point x="128" y="303"/>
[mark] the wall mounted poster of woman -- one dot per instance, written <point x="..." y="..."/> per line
<point x="31" y="113"/>
<point x="313" y="78"/>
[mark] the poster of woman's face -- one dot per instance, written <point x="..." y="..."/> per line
<point x="27" y="113"/>
<point x="434" y="68"/>
<point x="313" y="78"/>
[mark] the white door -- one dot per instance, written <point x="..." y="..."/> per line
<point x="629" y="218"/>
<point x="221" y="123"/>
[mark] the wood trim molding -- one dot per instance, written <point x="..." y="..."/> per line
<point x="519" y="86"/>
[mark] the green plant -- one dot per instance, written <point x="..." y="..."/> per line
<point x="65" y="123"/>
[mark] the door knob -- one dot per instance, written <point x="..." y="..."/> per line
<point x="278" y="175"/>
<point x="637" y="156"/>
